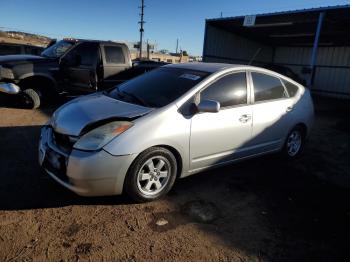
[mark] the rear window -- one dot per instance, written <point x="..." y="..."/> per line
<point x="267" y="87"/>
<point x="114" y="55"/>
<point x="291" y="88"/>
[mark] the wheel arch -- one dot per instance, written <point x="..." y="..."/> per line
<point x="178" y="158"/>
<point x="173" y="150"/>
<point x="303" y="127"/>
<point x="39" y="78"/>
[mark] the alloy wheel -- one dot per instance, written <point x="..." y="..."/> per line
<point x="294" y="143"/>
<point x="154" y="175"/>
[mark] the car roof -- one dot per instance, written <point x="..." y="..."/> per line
<point x="78" y="40"/>
<point x="207" y="67"/>
<point x="218" y="67"/>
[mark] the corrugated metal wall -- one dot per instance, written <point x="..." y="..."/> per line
<point x="222" y="46"/>
<point x="332" y="72"/>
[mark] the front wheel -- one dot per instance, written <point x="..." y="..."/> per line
<point x="151" y="175"/>
<point x="294" y="143"/>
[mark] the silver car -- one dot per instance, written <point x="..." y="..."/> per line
<point x="170" y="123"/>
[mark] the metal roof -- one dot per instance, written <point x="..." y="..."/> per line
<point x="296" y="27"/>
<point x="315" y="9"/>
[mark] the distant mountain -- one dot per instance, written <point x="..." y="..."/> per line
<point x="24" y="38"/>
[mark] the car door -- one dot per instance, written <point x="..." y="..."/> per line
<point x="115" y="61"/>
<point x="79" y="67"/>
<point x="271" y="112"/>
<point x="223" y="136"/>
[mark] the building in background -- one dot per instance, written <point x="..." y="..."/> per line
<point x="313" y="44"/>
<point x="12" y="43"/>
<point x="13" y="49"/>
<point x="151" y="53"/>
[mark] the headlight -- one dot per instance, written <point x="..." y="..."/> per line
<point x="99" y="137"/>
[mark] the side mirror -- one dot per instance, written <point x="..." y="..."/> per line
<point x="208" y="106"/>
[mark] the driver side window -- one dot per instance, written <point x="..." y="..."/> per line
<point x="229" y="90"/>
<point x="88" y="53"/>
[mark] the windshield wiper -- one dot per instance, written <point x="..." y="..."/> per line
<point x="134" y="97"/>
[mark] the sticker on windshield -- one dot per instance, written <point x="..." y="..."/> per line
<point x="190" y="76"/>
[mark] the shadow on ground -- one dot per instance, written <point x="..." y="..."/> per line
<point x="268" y="208"/>
<point x="15" y="102"/>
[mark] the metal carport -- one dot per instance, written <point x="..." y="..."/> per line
<point x="314" y="43"/>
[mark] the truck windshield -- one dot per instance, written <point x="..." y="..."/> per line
<point x="57" y="50"/>
<point x="159" y="87"/>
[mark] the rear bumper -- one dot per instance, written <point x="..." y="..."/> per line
<point x="9" y="88"/>
<point x="85" y="173"/>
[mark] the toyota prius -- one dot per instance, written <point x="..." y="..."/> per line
<point x="175" y="121"/>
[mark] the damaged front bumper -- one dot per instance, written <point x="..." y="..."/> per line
<point x="85" y="173"/>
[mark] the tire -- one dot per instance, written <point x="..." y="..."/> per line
<point x="294" y="143"/>
<point x="143" y="184"/>
<point x="31" y="98"/>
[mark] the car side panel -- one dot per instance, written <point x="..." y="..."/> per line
<point x="220" y="137"/>
<point x="271" y="121"/>
<point x="164" y="126"/>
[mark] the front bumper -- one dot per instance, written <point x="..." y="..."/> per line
<point x="85" y="173"/>
<point x="9" y="88"/>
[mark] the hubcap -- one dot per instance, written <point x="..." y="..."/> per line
<point x="294" y="143"/>
<point x="153" y="175"/>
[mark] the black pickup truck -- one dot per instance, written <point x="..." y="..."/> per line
<point x="71" y="67"/>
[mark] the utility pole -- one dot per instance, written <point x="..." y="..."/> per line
<point x="148" y="50"/>
<point x="141" y="22"/>
<point x="177" y="44"/>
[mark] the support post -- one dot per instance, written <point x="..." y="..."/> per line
<point x="141" y="26"/>
<point x="314" y="49"/>
<point x="205" y="40"/>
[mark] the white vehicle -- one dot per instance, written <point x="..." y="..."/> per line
<point x="170" y="123"/>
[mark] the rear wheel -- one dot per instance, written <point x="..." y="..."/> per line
<point x="294" y="143"/>
<point x="151" y="175"/>
<point x="31" y="98"/>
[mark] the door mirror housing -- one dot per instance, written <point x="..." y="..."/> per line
<point x="209" y="106"/>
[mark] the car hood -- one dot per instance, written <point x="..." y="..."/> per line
<point x="73" y="117"/>
<point x="22" y="59"/>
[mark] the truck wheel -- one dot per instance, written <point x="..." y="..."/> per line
<point x="31" y="98"/>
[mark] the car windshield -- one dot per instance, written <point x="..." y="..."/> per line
<point x="159" y="87"/>
<point x="57" y="50"/>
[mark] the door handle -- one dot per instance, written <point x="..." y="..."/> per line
<point x="289" y="108"/>
<point x="245" y="118"/>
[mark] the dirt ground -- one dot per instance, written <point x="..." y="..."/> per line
<point x="259" y="210"/>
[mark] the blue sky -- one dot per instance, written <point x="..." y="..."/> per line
<point x="117" y="20"/>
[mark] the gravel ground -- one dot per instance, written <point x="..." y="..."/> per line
<point x="259" y="210"/>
